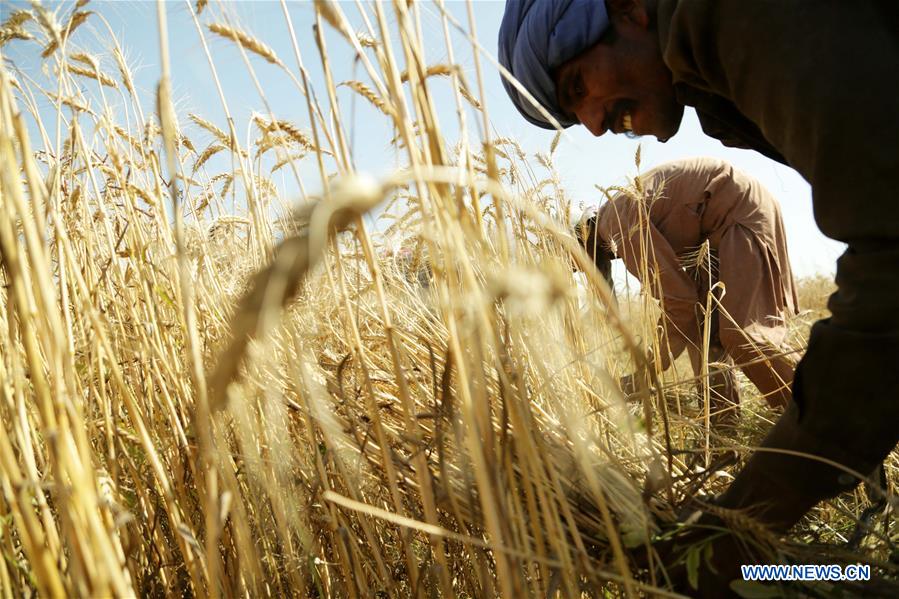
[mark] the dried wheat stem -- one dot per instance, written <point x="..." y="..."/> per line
<point x="367" y="93"/>
<point x="95" y="75"/>
<point x="246" y="41"/>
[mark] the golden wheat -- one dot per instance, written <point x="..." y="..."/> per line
<point x="95" y="74"/>
<point x="367" y="93"/>
<point x="211" y="388"/>
<point x="246" y="41"/>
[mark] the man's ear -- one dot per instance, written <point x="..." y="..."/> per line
<point x="628" y="11"/>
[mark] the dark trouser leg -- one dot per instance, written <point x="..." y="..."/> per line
<point x="846" y="394"/>
<point x="846" y="407"/>
<point x="846" y="411"/>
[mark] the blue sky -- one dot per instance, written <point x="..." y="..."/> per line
<point x="581" y="159"/>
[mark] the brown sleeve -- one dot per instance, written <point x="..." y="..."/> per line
<point x="650" y="258"/>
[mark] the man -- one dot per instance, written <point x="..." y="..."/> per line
<point x="685" y="204"/>
<point x="811" y="84"/>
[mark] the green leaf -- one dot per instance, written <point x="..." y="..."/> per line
<point x="707" y="554"/>
<point x="633" y="537"/>
<point x="693" y="567"/>
<point x="161" y="292"/>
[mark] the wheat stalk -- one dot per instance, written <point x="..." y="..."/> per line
<point x="72" y="103"/>
<point x="142" y="194"/>
<point x="77" y="19"/>
<point x="506" y="141"/>
<point x="555" y="143"/>
<point x="17" y="18"/>
<point x="366" y="41"/>
<point x="469" y="98"/>
<point x="246" y="41"/>
<point x="185" y="141"/>
<point x="289" y="129"/>
<point x="210" y="151"/>
<point x="217" y="133"/>
<point x="367" y="93"/>
<point x="329" y="13"/>
<point x="128" y="137"/>
<point x="9" y="34"/>
<point x="92" y="74"/>
<point x="85" y="58"/>
<point x="437" y="70"/>
<point x="124" y="71"/>
<point x="50" y="25"/>
<point x="277" y="284"/>
<point x="287" y="159"/>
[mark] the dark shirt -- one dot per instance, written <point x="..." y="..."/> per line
<point x="813" y="84"/>
<point x="810" y="83"/>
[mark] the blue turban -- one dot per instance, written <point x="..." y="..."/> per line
<point x="538" y="36"/>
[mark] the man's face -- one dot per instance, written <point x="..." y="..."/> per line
<point x="621" y="84"/>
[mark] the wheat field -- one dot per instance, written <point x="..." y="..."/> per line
<point x="215" y="384"/>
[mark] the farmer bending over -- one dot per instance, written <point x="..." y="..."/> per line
<point x="684" y="204"/>
<point x="807" y="83"/>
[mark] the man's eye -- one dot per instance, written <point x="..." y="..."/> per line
<point x="577" y="88"/>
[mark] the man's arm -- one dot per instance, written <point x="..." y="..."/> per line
<point x="649" y="257"/>
<point x="819" y="78"/>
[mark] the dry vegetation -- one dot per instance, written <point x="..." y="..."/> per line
<point x="207" y="388"/>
